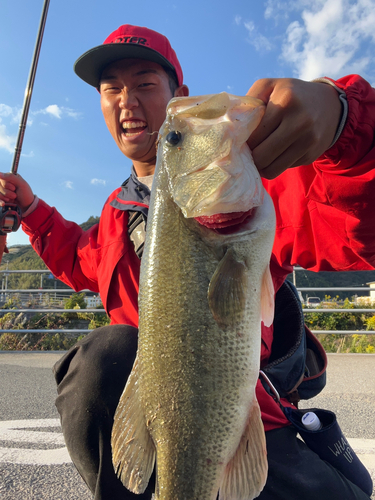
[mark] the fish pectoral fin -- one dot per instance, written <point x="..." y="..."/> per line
<point x="227" y="290"/>
<point x="267" y="298"/>
<point x="246" y="473"/>
<point x="133" y="451"/>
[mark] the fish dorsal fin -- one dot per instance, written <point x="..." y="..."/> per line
<point x="246" y="473"/>
<point x="133" y="451"/>
<point x="227" y="290"/>
<point x="267" y="298"/>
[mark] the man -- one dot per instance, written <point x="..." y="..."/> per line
<point x="324" y="222"/>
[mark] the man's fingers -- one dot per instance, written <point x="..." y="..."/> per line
<point x="262" y="89"/>
<point x="286" y="144"/>
<point x="10" y="181"/>
<point x="7" y="188"/>
<point x="13" y="188"/>
<point x="298" y="126"/>
<point x="269" y="149"/>
<point x="268" y="125"/>
<point x="293" y="156"/>
<point x="278" y="167"/>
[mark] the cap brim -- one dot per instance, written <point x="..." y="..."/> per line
<point x="91" y="64"/>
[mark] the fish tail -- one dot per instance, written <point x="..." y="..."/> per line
<point x="246" y="473"/>
<point x="133" y="451"/>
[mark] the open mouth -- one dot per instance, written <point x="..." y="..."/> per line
<point x="225" y="223"/>
<point x="133" y="128"/>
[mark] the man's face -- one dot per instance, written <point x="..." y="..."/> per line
<point x="134" y="96"/>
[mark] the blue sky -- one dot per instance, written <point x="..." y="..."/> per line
<point x="69" y="158"/>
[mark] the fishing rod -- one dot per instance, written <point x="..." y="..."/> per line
<point x="10" y="213"/>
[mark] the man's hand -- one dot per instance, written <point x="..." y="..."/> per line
<point x="14" y="189"/>
<point x="298" y="126"/>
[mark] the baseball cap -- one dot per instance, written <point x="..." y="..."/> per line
<point x="127" y="42"/>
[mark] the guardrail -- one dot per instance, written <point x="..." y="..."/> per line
<point x="51" y="298"/>
<point x="36" y="296"/>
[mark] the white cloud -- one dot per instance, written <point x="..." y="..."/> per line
<point x="16" y="117"/>
<point x="98" y="181"/>
<point x="254" y="37"/>
<point x="5" y="110"/>
<point x="28" y="155"/>
<point x="332" y="37"/>
<point x="12" y="115"/>
<point x="58" y="112"/>
<point x="68" y="184"/>
<point x="7" y="141"/>
<point x="53" y="110"/>
<point x="259" y="41"/>
<point x="71" y="113"/>
<point x="281" y="11"/>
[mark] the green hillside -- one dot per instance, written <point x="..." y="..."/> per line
<point x="23" y="257"/>
<point x="327" y="279"/>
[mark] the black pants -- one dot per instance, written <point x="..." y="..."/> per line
<point x="90" y="379"/>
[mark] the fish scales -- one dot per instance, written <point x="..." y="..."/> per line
<point x="195" y="374"/>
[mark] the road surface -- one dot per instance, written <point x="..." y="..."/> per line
<point x="34" y="463"/>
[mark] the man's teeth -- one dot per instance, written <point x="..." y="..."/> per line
<point x="127" y="125"/>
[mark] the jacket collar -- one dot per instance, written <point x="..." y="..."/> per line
<point x="133" y="196"/>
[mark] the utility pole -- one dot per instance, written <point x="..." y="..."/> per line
<point x="6" y="276"/>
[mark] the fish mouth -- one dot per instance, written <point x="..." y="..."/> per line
<point x="226" y="223"/>
<point x="133" y="128"/>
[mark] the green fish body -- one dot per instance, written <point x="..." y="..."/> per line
<point x="190" y="400"/>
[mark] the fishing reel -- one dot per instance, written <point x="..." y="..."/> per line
<point x="10" y="218"/>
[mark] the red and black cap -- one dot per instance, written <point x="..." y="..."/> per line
<point x="127" y="42"/>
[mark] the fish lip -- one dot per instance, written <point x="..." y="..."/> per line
<point x="263" y="220"/>
<point x="225" y="223"/>
<point x="230" y="233"/>
<point x="247" y="226"/>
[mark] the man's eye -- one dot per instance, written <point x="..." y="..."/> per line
<point x="147" y="84"/>
<point x="111" y="89"/>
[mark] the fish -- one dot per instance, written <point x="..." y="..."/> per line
<point x="189" y="405"/>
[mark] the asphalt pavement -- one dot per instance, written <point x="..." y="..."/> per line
<point x="34" y="463"/>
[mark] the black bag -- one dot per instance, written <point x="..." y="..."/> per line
<point x="297" y="370"/>
<point x="298" y="362"/>
<point x="330" y="445"/>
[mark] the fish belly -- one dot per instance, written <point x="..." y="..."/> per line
<point x="196" y="380"/>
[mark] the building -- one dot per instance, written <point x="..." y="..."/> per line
<point x="368" y="300"/>
<point x="95" y="301"/>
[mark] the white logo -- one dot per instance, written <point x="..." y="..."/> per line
<point x="33" y="432"/>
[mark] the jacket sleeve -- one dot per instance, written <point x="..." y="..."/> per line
<point x="326" y="211"/>
<point x="67" y="250"/>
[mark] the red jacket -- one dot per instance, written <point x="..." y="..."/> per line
<point x="325" y="221"/>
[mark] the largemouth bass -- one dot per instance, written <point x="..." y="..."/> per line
<point x="205" y="286"/>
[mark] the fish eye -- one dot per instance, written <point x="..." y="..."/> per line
<point x="173" y="138"/>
